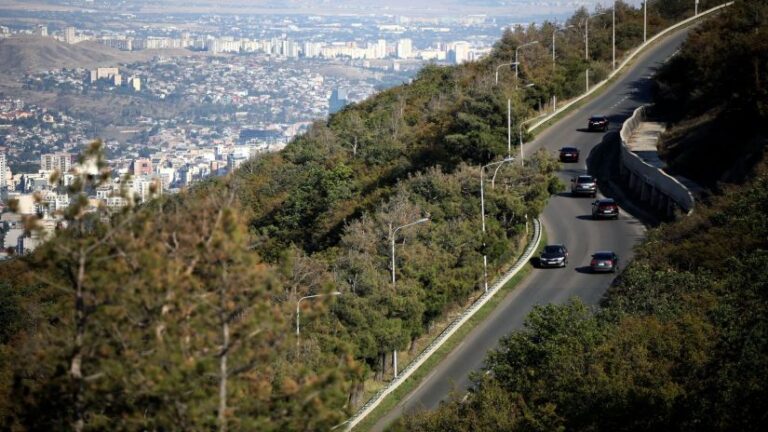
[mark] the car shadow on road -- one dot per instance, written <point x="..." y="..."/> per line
<point x="584" y="269"/>
<point x="535" y="262"/>
<point x="585" y="217"/>
<point x="585" y="130"/>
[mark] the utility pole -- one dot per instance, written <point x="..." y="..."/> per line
<point x="614" y="35"/>
<point x="645" y="20"/>
<point x="509" y="127"/>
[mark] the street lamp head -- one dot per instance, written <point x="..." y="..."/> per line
<point x="335" y="293"/>
<point x="508" y="159"/>
<point x="422" y="220"/>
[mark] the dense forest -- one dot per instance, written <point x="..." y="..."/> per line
<point x="187" y="312"/>
<point x="715" y="95"/>
<point x="681" y="339"/>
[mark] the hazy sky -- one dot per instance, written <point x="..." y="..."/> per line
<point x="517" y="8"/>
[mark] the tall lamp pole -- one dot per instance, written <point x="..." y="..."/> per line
<point x="554" y="32"/>
<point x="393" y="234"/>
<point x="482" y="214"/>
<point x="298" y="310"/>
<point x="517" y="54"/>
<point x="614" y="34"/>
<point x="520" y="137"/>
<point x="497" y="70"/>
<point x="645" y="20"/>
<point x="586" y="34"/>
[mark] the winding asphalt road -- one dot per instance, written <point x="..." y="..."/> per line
<point x="566" y="220"/>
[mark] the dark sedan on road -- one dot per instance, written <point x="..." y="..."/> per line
<point x="604" y="261"/>
<point x="569" y="154"/>
<point x="554" y="256"/>
<point x="584" y="185"/>
<point x="605" y="208"/>
<point x="598" y="123"/>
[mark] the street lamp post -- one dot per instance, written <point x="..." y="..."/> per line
<point x="392" y="239"/>
<point x="517" y="53"/>
<point x="393" y="234"/>
<point x="298" y="311"/>
<point x="645" y="20"/>
<point x="586" y="34"/>
<point x="482" y="214"/>
<point x="520" y="137"/>
<point x="614" y="34"/>
<point x="497" y="70"/>
<point x="696" y="8"/>
<point x="554" y="32"/>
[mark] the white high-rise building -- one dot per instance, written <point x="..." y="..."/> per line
<point x="312" y="49"/>
<point x="458" y="52"/>
<point x="70" y="35"/>
<point x="404" y="48"/>
<point x="3" y="172"/>
<point x="61" y="162"/>
<point x="381" y="49"/>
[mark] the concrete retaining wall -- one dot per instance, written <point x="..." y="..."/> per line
<point x="654" y="186"/>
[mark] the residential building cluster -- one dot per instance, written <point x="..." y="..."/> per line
<point x="27" y="131"/>
<point x="112" y="74"/>
<point x="235" y="89"/>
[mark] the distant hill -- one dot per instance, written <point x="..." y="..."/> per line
<point x="20" y="55"/>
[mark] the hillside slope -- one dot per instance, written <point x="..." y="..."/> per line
<point x="715" y="94"/>
<point x="32" y="54"/>
<point x="29" y="54"/>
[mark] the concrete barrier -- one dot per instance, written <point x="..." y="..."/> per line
<point x="654" y="186"/>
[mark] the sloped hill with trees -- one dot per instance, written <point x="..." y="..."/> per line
<point x="184" y="313"/>
<point x="715" y="94"/>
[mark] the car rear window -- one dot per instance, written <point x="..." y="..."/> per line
<point x="603" y="256"/>
<point x="584" y="179"/>
<point x="551" y="249"/>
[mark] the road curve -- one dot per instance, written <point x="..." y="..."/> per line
<point x="566" y="220"/>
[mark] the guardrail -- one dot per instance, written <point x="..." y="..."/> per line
<point x="623" y="64"/>
<point x="655" y="178"/>
<point x="450" y="330"/>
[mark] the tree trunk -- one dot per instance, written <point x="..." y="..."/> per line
<point x="223" y="380"/>
<point x="224" y="320"/>
<point x="356" y="394"/>
<point x="76" y="364"/>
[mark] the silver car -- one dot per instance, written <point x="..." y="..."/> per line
<point x="604" y="261"/>
<point x="584" y="185"/>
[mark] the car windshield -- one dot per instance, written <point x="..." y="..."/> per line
<point x="606" y="203"/>
<point x="603" y="256"/>
<point x="568" y="149"/>
<point x="597" y="118"/>
<point x="584" y="179"/>
<point x="552" y="249"/>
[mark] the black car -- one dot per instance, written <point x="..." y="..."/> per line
<point x="569" y="154"/>
<point x="604" y="261"/>
<point x="554" y="256"/>
<point x="584" y="185"/>
<point x="598" y="123"/>
<point x="605" y="208"/>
